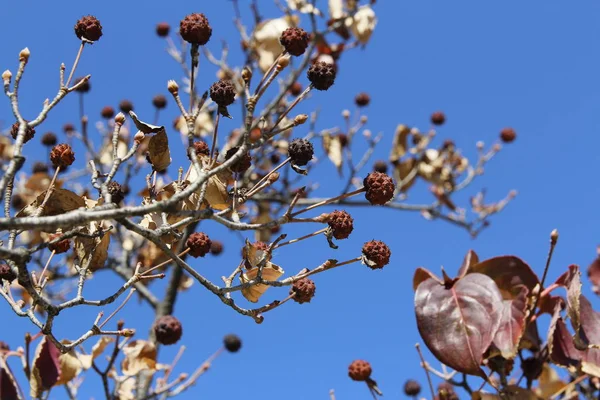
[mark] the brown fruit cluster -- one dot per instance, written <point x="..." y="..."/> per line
<point x="379" y="188"/>
<point x="6" y="273"/>
<point x="49" y="139"/>
<point x="68" y="128"/>
<point x="296" y="89"/>
<point x="125" y="106"/>
<point x="29" y="132"/>
<point x="159" y="101"/>
<point x="380" y="166"/>
<point x="438" y="118"/>
<point x="168" y="330"/>
<point x="241" y="165"/>
<point x="216" y="247"/>
<point x="195" y="29"/>
<point x="199" y="244"/>
<point x="378" y="253"/>
<point x="508" y="135"/>
<point x="59" y="247"/>
<point x="107" y="112"/>
<point x="360" y="370"/>
<point x="362" y="99"/>
<point x="201" y="148"/>
<point x="232" y="343"/>
<point x="222" y="93"/>
<point x="116" y="191"/>
<point x="321" y="75"/>
<point x="412" y="388"/>
<point x="303" y="290"/>
<point x="341" y="224"/>
<point x="62" y="155"/>
<point x="162" y="29"/>
<point x="294" y="40"/>
<point x="88" y="27"/>
<point x="300" y="151"/>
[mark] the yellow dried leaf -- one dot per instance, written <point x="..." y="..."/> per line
<point x="70" y="366"/>
<point x="125" y="388"/>
<point x="144" y="127"/>
<point x="139" y="355"/>
<point x="59" y="202"/>
<point x="96" y="248"/>
<point x="333" y="148"/>
<point x="158" y="151"/>
<point x="362" y="23"/>
<point x="266" y="39"/>
<point x="399" y="143"/>
<point x="402" y="171"/>
<point x="202" y="127"/>
<point x="271" y="272"/>
<point x="97" y="350"/>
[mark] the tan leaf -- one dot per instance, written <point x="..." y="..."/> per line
<point x="271" y="272"/>
<point x="263" y="217"/>
<point x="266" y="39"/>
<point x="106" y="153"/>
<point x="97" y="350"/>
<point x="549" y="382"/>
<point x="96" y="247"/>
<point x="303" y="6"/>
<point x="402" y="170"/>
<point x="202" y="127"/>
<point x="139" y="355"/>
<point x="158" y="151"/>
<point x="59" y="202"/>
<point x="126" y="387"/>
<point x="333" y="148"/>
<point x="362" y="24"/>
<point x="399" y="143"/>
<point x="336" y="9"/>
<point x="145" y="127"/>
<point x="70" y="366"/>
<point x="45" y="368"/>
<point x="6" y="148"/>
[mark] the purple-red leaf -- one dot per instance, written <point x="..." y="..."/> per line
<point x="46" y="368"/>
<point x="593" y="273"/>
<point x="458" y="322"/>
<point x="421" y="275"/>
<point x="571" y="280"/>
<point x="8" y="384"/>
<point x="589" y="331"/>
<point x="512" y="324"/>
<point x="560" y="343"/>
<point x="507" y="272"/>
<point x="471" y="259"/>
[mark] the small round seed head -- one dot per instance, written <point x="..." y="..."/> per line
<point x="232" y="343"/>
<point x="62" y="155"/>
<point x="438" y="118"/>
<point x="40" y="167"/>
<point x="296" y="89"/>
<point x="321" y="75"/>
<point x="508" y="135"/>
<point x="294" y="40"/>
<point x="107" y="112"/>
<point x="159" y="101"/>
<point x="199" y="244"/>
<point x="216" y="247"/>
<point x="4" y="346"/>
<point x="303" y="290"/>
<point x="162" y="29"/>
<point x="379" y="188"/>
<point x="362" y="99"/>
<point x="18" y="202"/>
<point x="380" y="166"/>
<point x="412" y="388"/>
<point x="168" y="330"/>
<point x="29" y="132"/>
<point x="88" y="27"/>
<point x="377" y="253"/>
<point x="341" y="224"/>
<point x="241" y="165"/>
<point x="6" y="273"/>
<point x="116" y="192"/>
<point x="201" y="148"/>
<point x="222" y="92"/>
<point x="360" y="370"/>
<point x="49" y="139"/>
<point x="59" y="247"/>
<point x="300" y="151"/>
<point x="125" y="106"/>
<point x="195" y="29"/>
<point x="68" y="128"/>
<point x="84" y="87"/>
<point x="275" y="158"/>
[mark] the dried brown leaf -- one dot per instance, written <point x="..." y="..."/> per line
<point x="271" y="272"/>
<point x="159" y="154"/>
<point x="59" y="202"/>
<point x="139" y="355"/>
<point x="333" y="148"/>
<point x="70" y="366"/>
<point x="145" y="127"/>
<point x="399" y="144"/>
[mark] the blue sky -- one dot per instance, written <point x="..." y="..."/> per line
<point x="530" y="65"/>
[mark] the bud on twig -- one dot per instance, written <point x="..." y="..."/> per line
<point x="120" y="118"/>
<point x="246" y="74"/>
<point x="283" y="62"/>
<point x="173" y="87"/>
<point x="346" y="114"/>
<point x="24" y="55"/>
<point x="6" y="77"/>
<point x="139" y="136"/>
<point x="300" y="119"/>
<point x="554" y="236"/>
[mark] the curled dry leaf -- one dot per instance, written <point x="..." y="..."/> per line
<point x="126" y="386"/>
<point x="271" y="272"/>
<point x="60" y="201"/>
<point x="561" y="348"/>
<point x="216" y="195"/>
<point x="203" y="125"/>
<point x="333" y="148"/>
<point x="303" y="6"/>
<point x="70" y="366"/>
<point x="139" y="355"/>
<point x="549" y="382"/>
<point x="159" y="154"/>
<point x="93" y="250"/>
<point x="145" y="127"/>
<point x="336" y="9"/>
<point x="97" y="350"/>
<point x="402" y="171"/>
<point x="6" y="148"/>
<point x="9" y="389"/>
<point x="266" y="39"/>
<point x="106" y="153"/>
<point x="362" y="24"/>
<point x="399" y="144"/>
<point x="45" y="368"/>
<point x="459" y="320"/>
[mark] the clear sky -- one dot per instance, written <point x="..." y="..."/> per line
<point x="530" y="65"/>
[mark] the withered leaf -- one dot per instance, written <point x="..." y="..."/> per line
<point x="399" y="144"/>
<point x="59" y="202"/>
<point x="512" y="324"/>
<point x="139" y="355"/>
<point x="402" y="170"/>
<point x="590" y="363"/>
<point x="593" y="273"/>
<point x="590" y="324"/>
<point x="571" y="280"/>
<point x="507" y="272"/>
<point x="512" y="392"/>
<point x="9" y="389"/>
<point x="333" y="148"/>
<point x="145" y="127"/>
<point x="97" y="350"/>
<point x="93" y="250"/>
<point x="459" y="322"/>
<point x="45" y="368"/>
<point x="549" y="382"/>
<point x="159" y="154"/>
<point x="70" y="366"/>
<point x="271" y="272"/>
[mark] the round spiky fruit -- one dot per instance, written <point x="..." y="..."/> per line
<point x="360" y="370"/>
<point x="222" y="92"/>
<point x="88" y="27"/>
<point x="232" y="343"/>
<point x="29" y="132"/>
<point x="199" y="244"/>
<point x="294" y="40"/>
<point x="321" y="75"/>
<point x="168" y="330"/>
<point x="300" y="151"/>
<point x="379" y="188"/>
<point x="303" y="290"/>
<point x="377" y="254"/>
<point x="195" y="29"/>
<point x="341" y="224"/>
<point x="62" y="155"/>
